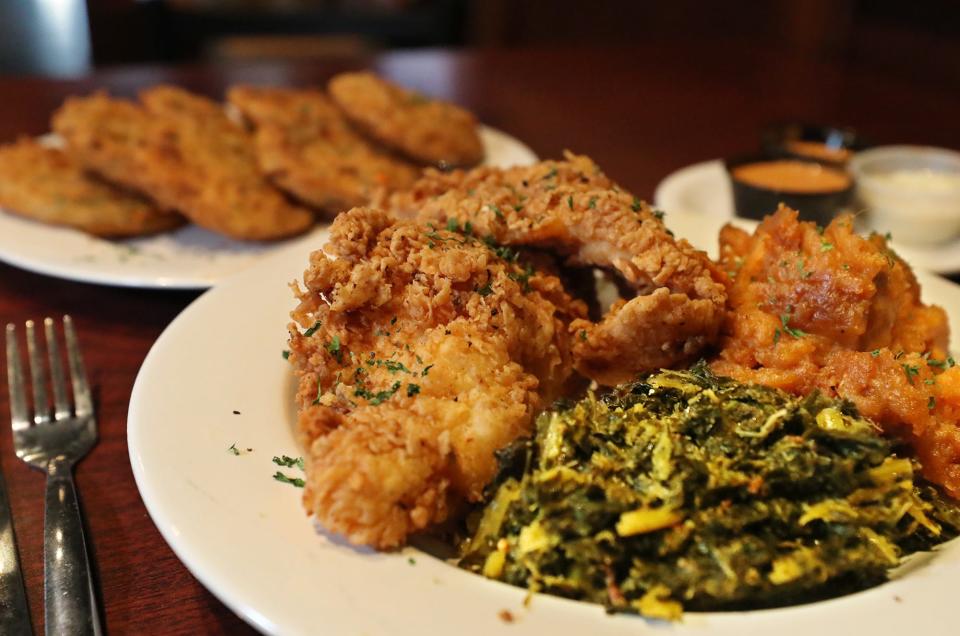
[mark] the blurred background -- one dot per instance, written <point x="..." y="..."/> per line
<point x="70" y="37"/>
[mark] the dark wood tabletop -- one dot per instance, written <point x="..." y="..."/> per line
<point x="640" y="112"/>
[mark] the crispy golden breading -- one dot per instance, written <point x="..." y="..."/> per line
<point x="185" y="154"/>
<point x="47" y="185"/>
<point x="842" y="314"/>
<point x="423" y="353"/>
<point x="306" y="147"/>
<point x="426" y="130"/>
<point x="573" y="209"/>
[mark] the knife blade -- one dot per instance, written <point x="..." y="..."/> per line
<point x="14" y="612"/>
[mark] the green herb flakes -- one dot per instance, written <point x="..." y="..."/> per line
<point x="334" y="348"/>
<point x="293" y="481"/>
<point x="288" y="462"/>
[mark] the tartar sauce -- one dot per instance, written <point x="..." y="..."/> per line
<point x="919" y="179"/>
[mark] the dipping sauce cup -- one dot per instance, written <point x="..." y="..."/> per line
<point x="913" y="192"/>
<point x="817" y="191"/>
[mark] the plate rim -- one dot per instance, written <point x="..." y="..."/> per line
<point x="247" y="609"/>
<point x="677" y="179"/>
<point x="126" y="278"/>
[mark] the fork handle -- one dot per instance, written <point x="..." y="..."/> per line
<point x="70" y="605"/>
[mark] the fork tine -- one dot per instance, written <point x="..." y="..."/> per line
<point x="41" y="406"/>
<point x="78" y="375"/>
<point x="19" y="414"/>
<point x="61" y="405"/>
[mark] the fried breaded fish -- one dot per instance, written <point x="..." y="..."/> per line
<point x="419" y="354"/>
<point x="426" y="130"/>
<point x="306" y="147"/>
<point x="828" y="310"/>
<point x="47" y="185"/>
<point x="572" y="209"/>
<point x="182" y="152"/>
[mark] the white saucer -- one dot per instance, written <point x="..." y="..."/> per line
<point x="698" y="199"/>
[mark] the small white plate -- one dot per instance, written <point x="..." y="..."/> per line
<point x="187" y="258"/>
<point x="700" y="197"/>
<point x="216" y="377"/>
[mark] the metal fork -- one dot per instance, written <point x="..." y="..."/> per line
<point x="54" y="442"/>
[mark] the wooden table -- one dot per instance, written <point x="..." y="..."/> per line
<point x="641" y="112"/>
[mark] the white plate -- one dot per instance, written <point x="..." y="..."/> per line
<point x="701" y="194"/>
<point x="246" y="538"/>
<point x="188" y="258"/>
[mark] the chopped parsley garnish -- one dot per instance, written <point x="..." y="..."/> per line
<point x="793" y="331"/>
<point x="334" y="348"/>
<point x="288" y="462"/>
<point x="508" y="254"/>
<point x="593" y="203"/>
<point x="825" y="246"/>
<point x="551" y="174"/>
<point x="931" y="403"/>
<point x="293" y="481"/>
<point x="312" y="330"/>
<point x="888" y="236"/>
<point x="379" y="397"/>
<point x="635" y="206"/>
<point x="524" y="277"/>
<point x="942" y="364"/>
<point x="875" y="353"/>
<point x="911" y="371"/>
<point x="426" y="370"/>
<point x="453" y="225"/>
<point x="394" y="367"/>
<point x="286" y="354"/>
<point x="583" y="335"/>
<point x="517" y="207"/>
<point x="233" y="449"/>
<point x="412" y="389"/>
<point x="496" y="210"/>
<point x="570" y="202"/>
<point x="776" y="335"/>
<point x="659" y="214"/>
<point x="411" y="561"/>
<point x="486" y="290"/>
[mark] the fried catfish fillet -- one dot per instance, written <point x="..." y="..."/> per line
<point x="842" y="314"/>
<point x="47" y="185"/>
<point x="307" y="148"/>
<point x="572" y="209"/>
<point x="182" y="152"/>
<point x="426" y="130"/>
<point x="419" y="354"/>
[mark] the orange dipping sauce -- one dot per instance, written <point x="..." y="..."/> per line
<point x="785" y="175"/>
<point x="818" y="150"/>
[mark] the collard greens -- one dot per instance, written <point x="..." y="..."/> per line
<point x="685" y="490"/>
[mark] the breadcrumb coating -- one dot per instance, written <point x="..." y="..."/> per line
<point x="419" y="353"/>
<point x="572" y="209"/>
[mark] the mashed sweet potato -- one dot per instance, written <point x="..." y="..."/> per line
<point x="825" y="309"/>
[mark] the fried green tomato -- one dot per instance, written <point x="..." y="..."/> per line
<point x="426" y="130"/>
<point x="182" y="152"/>
<point x="46" y="185"/>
